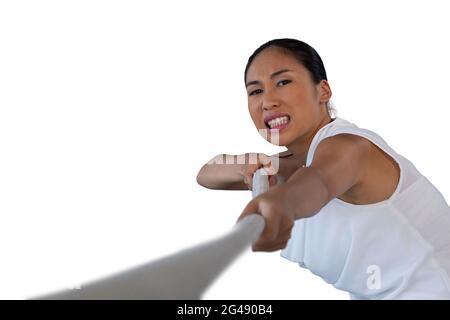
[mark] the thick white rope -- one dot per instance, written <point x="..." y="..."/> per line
<point x="183" y="275"/>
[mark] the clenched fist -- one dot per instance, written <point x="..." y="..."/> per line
<point x="261" y="161"/>
<point x="278" y="215"/>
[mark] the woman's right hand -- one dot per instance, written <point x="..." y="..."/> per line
<point x="262" y="161"/>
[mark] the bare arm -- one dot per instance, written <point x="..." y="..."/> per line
<point x="223" y="172"/>
<point x="339" y="163"/>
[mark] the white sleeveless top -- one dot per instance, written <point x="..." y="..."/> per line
<point x="398" y="248"/>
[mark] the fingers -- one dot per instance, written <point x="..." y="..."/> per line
<point x="279" y="221"/>
<point x="262" y="161"/>
<point x="269" y="249"/>
<point x="248" y="180"/>
<point x="267" y="163"/>
<point x="272" y="246"/>
<point x="272" y="180"/>
<point x="248" y="177"/>
<point x="251" y="207"/>
<point x="274" y="237"/>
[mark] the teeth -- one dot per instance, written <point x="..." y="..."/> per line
<point x="277" y="121"/>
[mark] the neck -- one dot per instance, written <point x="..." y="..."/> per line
<point x="299" y="148"/>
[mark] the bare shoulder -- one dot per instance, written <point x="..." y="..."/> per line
<point x="341" y="149"/>
<point x="341" y="162"/>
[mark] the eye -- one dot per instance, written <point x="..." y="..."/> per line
<point x="284" y="81"/>
<point x="254" y="92"/>
<point x="259" y="90"/>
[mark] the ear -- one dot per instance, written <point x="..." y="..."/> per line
<point x="324" y="91"/>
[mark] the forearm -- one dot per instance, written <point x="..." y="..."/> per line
<point x="221" y="172"/>
<point x="305" y="193"/>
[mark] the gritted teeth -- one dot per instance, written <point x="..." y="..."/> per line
<point x="277" y="121"/>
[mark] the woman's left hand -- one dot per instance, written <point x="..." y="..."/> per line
<point x="279" y="219"/>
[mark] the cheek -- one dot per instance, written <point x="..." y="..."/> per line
<point x="254" y="110"/>
<point x="256" y="118"/>
<point x="296" y="96"/>
<point x="299" y="102"/>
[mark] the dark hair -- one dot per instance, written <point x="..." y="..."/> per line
<point x="303" y="53"/>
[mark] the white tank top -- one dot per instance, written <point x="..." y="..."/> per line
<point x="398" y="248"/>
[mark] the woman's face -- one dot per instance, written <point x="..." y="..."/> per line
<point x="273" y="92"/>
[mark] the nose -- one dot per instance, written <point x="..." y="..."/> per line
<point x="269" y="100"/>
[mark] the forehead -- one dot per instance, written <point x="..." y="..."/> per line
<point x="271" y="60"/>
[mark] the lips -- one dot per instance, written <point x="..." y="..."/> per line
<point x="275" y="115"/>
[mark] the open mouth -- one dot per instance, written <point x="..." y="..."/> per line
<point x="278" y="123"/>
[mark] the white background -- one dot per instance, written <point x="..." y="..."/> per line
<point x="108" y="109"/>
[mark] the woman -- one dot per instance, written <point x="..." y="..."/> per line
<point x="351" y="209"/>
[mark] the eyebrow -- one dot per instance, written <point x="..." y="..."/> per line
<point x="271" y="76"/>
